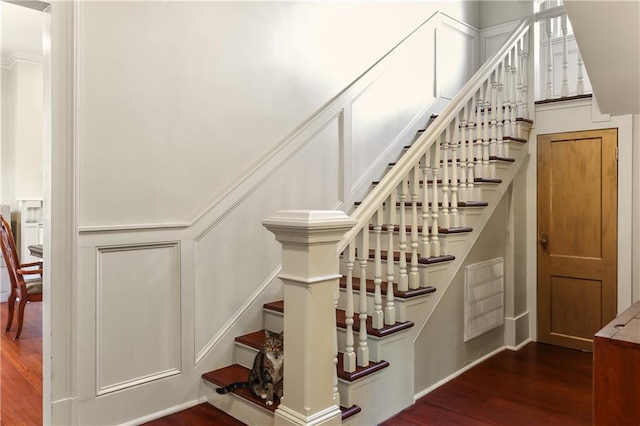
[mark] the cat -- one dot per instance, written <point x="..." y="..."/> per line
<point x="265" y="377"/>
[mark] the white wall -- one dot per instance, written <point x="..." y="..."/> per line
<point x="186" y="97"/>
<point x="21" y="146"/>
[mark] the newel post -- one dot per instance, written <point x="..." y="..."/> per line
<point x="310" y="273"/>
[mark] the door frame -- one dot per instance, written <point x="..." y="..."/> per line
<point x="579" y="115"/>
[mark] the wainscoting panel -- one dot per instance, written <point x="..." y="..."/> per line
<point x="137" y="315"/>
<point x="229" y="276"/>
<point x="456" y="57"/>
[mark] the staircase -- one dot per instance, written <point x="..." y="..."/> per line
<point x="411" y="236"/>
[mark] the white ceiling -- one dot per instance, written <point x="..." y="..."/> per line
<point x="21" y="33"/>
<point x="608" y="36"/>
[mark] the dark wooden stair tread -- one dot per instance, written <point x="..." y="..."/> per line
<point x="421" y="260"/>
<point x="360" y="372"/>
<point x="452" y="230"/>
<point x="460" y="203"/>
<point x="237" y="373"/>
<point x="370" y="286"/>
<point x="387" y="330"/>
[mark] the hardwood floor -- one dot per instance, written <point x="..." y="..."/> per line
<point x="21" y="369"/>
<point x="538" y="385"/>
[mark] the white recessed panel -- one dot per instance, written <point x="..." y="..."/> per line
<point x="138" y="314"/>
<point x="455" y="54"/>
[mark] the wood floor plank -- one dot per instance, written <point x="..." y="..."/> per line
<point x="21" y="369"/>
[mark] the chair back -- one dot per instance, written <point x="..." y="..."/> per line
<point x="8" y="247"/>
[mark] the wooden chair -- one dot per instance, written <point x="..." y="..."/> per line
<point x="22" y="290"/>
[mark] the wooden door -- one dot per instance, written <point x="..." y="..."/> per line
<point x="577" y="236"/>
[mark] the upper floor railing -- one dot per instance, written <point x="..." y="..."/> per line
<point x="560" y="71"/>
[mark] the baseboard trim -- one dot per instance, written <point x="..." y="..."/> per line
<point x="166" y="411"/>
<point x="520" y="346"/>
<point x="467" y="367"/>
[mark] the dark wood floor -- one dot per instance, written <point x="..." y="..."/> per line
<point x="21" y="369"/>
<point x="538" y="385"/>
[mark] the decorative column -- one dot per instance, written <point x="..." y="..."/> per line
<point x="310" y="274"/>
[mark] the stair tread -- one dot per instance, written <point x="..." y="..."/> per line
<point x="278" y="306"/>
<point x="460" y="203"/>
<point x="421" y="260"/>
<point x="402" y="294"/>
<point x="452" y="230"/>
<point x="360" y="372"/>
<point x="237" y="373"/>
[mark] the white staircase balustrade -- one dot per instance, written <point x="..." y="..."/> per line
<point x="560" y="58"/>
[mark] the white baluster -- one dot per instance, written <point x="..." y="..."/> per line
<point x="390" y="309"/>
<point x="486" y="142"/>
<point x="435" y="166"/>
<point x="549" y="60"/>
<point x="462" y="192"/>
<point x="454" y="173"/>
<point x="425" y="244"/>
<point x="471" y="152"/>
<point x="499" y="122"/>
<point x="414" y="277"/>
<point x="580" y="85"/>
<point x="445" y="178"/>
<point x="524" y="69"/>
<point x="514" y="89"/>
<point x="564" y="91"/>
<point x="506" y="128"/>
<point x="363" y="257"/>
<point x="349" y="356"/>
<point x="479" y="129"/>
<point x="377" y="319"/>
<point x="403" y="280"/>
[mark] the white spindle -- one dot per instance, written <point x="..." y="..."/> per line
<point x="377" y="319"/>
<point x="425" y="244"/>
<point x="435" y="166"/>
<point x="506" y="102"/>
<point x="580" y="84"/>
<point x="390" y="310"/>
<point x="479" y="129"/>
<point x="403" y="279"/>
<point x="462" y="193"/>
<point x="564" y="91"/>
<point x="414" y="277"/>
<point x="500" y="151"/>
<point x="363" y="257"/>
<point x="549" y="60"/>
<point x="486" y="142"/>
<point x="349" y="356"/>
<point x="454" y="172"/>
<point x="514" y="88"/>
<point x="524" y="69"/>
<point x="471" y="152"/>
<point x="445" y="220"/>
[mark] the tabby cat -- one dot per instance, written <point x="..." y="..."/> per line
<point x="265" y="378"/>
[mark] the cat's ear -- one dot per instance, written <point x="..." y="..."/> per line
<point x="267" y="333"/>
<point x="281" y="334"/>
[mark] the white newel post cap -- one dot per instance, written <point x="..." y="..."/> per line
<point x="309" y="226"/>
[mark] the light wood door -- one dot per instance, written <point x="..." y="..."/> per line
<point x="577" y="236"/>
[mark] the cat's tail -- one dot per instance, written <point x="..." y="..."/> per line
<point x="233" y="386"/>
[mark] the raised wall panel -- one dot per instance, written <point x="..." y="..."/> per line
<point x="455" y="58"/>
<point x="137" y="314"/>
<point x="235" y="258"/>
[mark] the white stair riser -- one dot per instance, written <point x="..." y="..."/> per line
<point x="429" y="273"/>
<point x="448" y="242"/>
<point x="404" y="307"/>
<point x="238" y="407"/>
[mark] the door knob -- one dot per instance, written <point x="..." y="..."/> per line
<point x="544" y="242"/>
